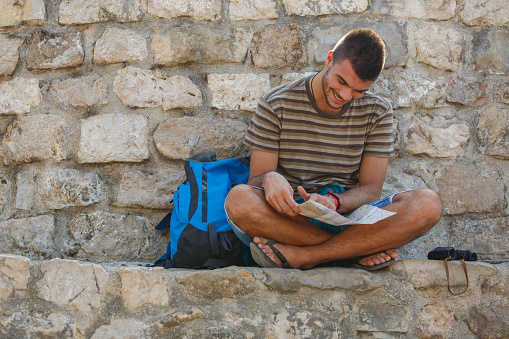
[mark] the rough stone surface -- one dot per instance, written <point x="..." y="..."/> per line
<point x="15" y="12"/>
<point x="180" y="138"/>
<point x="141" y="286"/>
<point x="32" y="237"/>
<point x="9" y="54"/>
<point x="14" y="274"/>
<point x="467" y="91"/>
<point x="252" y="10"/>
<point x="52" y="326"/>
<point x="436" y="142"/>
<point x="119" y="45"/>
<point x="394" y="35"/>
<point x="324" y="7"/>
<point x="386" y="318"/>
<point x="419" y="9"/>
<point x="137" y="189"/>
<point x="237" y="91"/>
<point x="122" y="328"/>
<point x="19" y="95"/>
<point x="492" y="132"/>
<point x="74" y="12"/>
<point x="279" y="47"/>
<point x="86" y="91"/>
<point x="25" y="193"/>
<point x="66" y="282"/>
<point x="501" y="93"/>
<point x="63" y="188"/>
<point x="200" y="44"/>
<point x="439" y="47"/>
<point x="485" y="12"/>
<point x="5" y="191"/>
<point x="48" y="50"/>
<point x="481" y="179"/>
<point x="113" y="137"/>
<point x="490" y="47"/>
<point x="106" y="237"/>
<point x="143" y="88"/>
<point x="33" y="138"/>
<point x="197" y="9"/>
<point x="436" y="322"/>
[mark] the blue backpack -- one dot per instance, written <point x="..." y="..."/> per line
<point x="200" y="236"/>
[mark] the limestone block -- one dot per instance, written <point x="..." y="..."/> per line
<point x="486" y="322"/>
<point x="113" y="137"/>
<point x="300" y="323"/>
<point x="467" y="91"/>
<point x="14" y="274"/>
<point x="9" y="54"/>
<point x="119" y="45"/>
<point x="200" y="44"/>
<point x="123" y="329"/>
<point x="289" y="77"/>
<point x="32" y="236"/>
<point x="252" y="10"/>
<point x="15" y="12"/>
<point x="143" y="88"/>
<point x="141" y="286"/>
<point x="106" y="237"/>
<point x="197" y="9"/>
<point x="182" y="316"/>
<point x="324" y="7"/>
<point x="47" y="50"/>
<point x="486" y="237"/>
<point x="406" y="90"/>
<point x="492" y="132"/>
<point x="436" y="322"/>
<point x="75" y="12"/>
<point x="418" y="9"/>
<point x="5" y="191"/>
<point x="85" y="91"/>
<point x="65" y="282"/>
<point x="439" y="47"/>
<point x="237" y="91"/>
<point x="180" y="138"/>
<point x="219" y="284"/>
<point x="475" y="188"/>
<point x="19" y="95"/>
<point x="396" y="181"/>
<point x="54" y="325"/>
<point x="25" y="190"/>
<point x="323" y="279"/>
<point x="33" y="138"/>
<point x="279" y="46"/>
<point x="61" y="188"/>
<point x="501" y="93"/>
<point x="436" y="142"/>
<point x="491" y="50"/>
<point x="137" y="189"/>
<point x="394" y="34"/>
<point x="485" y="12"/>
<point x="382" y="317"/>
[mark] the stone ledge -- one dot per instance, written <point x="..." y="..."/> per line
<point x="67" y="298"/>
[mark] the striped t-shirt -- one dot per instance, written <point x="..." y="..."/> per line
<point x="314" y="148"/>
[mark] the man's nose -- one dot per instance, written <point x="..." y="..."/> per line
<point x="346" y="94"/>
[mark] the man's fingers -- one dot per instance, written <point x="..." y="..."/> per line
<point x="302" y="192"/>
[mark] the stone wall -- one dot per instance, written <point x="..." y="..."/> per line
<point x="101" y="101"/>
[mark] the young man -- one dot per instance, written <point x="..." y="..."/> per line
<point x="325" y="138"/>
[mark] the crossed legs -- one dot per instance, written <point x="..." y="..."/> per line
<point x="305" y="245"/>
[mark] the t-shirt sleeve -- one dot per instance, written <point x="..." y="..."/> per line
<point x="264" y="130"/>
<point x="379" y="138"/>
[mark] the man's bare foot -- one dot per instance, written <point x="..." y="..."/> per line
<point x="291" y="253"/>
<point x="379" y="258"/>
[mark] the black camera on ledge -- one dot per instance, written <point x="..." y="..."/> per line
<point x="442" y="253"/>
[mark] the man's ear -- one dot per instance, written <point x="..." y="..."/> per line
<point x="329" y="58"/>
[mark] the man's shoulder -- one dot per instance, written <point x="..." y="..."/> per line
<point x="291" y="89"/>
<point x="370" y="99"/>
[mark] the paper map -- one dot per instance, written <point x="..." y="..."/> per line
<point x="365" y="214"/>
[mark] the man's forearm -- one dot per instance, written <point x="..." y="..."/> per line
<point x="358" y="196"/>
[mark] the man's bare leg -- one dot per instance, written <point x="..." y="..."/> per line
<point x="304" y="246"/>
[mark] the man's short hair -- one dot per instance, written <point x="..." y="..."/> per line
<point x="364" y="49"/>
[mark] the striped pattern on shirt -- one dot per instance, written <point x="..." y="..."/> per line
<point x="316" y="149"/>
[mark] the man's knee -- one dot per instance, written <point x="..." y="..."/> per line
<point x="237" y="201"/>
<point x="425" y="206"/>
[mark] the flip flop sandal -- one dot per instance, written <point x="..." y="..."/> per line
<point x="374" y="267"/>
<point x="263" y="260"/>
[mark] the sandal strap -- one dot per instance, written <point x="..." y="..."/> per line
<point x="281" y="257"/>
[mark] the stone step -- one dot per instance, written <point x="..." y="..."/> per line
<point x="71" y="299"/>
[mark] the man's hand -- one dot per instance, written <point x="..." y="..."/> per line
<point x="325" y="200"/>
<point x="279" y="194"/>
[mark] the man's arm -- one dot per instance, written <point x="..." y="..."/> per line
<point x="371" y="180"/>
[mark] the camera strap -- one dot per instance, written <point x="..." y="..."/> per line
<point x="447" y="274"/>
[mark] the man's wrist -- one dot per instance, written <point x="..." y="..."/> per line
<point x="337" y="200"/>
